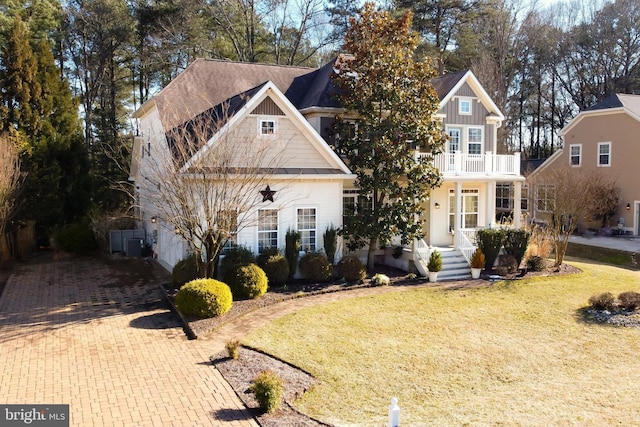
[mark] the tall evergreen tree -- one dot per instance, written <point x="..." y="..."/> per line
<point x="391" y="96"/>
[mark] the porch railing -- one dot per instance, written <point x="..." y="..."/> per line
<point x="465" y="242"/>
<point x="459" y="163"/>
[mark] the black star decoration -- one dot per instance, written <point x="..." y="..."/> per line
<point x="267" y="194"/>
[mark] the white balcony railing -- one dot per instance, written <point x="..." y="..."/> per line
<point x="459" y="163"/>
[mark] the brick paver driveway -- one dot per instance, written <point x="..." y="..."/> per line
<point x="100" y="338"/>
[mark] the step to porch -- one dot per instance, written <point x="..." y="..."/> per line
<point x="454" y="265"/>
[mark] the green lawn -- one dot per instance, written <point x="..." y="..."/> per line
<point x="516" y="353"/>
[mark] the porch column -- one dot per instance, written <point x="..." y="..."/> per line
<point x="517" y="212"/>
<point x="458" y="215"/>
<point x="491" y="204"/>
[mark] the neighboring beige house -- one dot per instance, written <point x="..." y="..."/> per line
<point x="296" y="106"/>
<point x="604" y="137"/>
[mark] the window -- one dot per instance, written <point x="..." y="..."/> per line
<point x="524" y="198"/>
<point x="545" y="198"/>
<point x="604" y="154"/>
<point x="464" y="106"/>
<point x="503" y="196"/>
<point x="454" y="140"/>
<point x="227" y="222"/>
<point x="468" y="211"/>
<point x="575" y="154"/>
<point x="267" y="127"/>
<point x="474" y="141"/>
<point x="267" y="229"/>
<point x="307" y="228"/>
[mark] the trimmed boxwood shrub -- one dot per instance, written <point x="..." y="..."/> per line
<point x="516" y="242"/>
<point x="204" y="298"/>
<point x="77" y="238"/>
<point x="268" y="390"/>
<point x="276" y="268"/>
<point x="184" y="271"/>
<point x="352" y="269"/>
<point x="233" y="258"/>
<point x="315" y="267"/>
<point x="248" y="282"/>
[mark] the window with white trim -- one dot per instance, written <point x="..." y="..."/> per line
<point x="575" y="154"/>
<point x="474" y="140"/>
<point x="267" y="127"/>
<point x="267" y="229"/>
<point x="469" y="209"/>
<point x="454" y="139"/>
<point x="503" y="195"/>
<point x="604" y="154"/>
<point x="464" y="106"/>
<point x="307" y="228"/>
<point x="545" y="198"/>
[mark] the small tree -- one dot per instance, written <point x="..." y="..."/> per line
<point x="570" y="196"/>
<point x="330" y="239"/>
<point x="390" y="95"/>
<point x="292" y="250"/>
<point x="608" y="197"/>
<point x="10" y="180"/>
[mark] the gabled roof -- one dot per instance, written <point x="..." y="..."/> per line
<point x="448" y="85"/>
<point x="615" y="104"/>
<point x="207" y="83"/>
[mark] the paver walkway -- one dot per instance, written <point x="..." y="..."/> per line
<point x="84" y="333"/>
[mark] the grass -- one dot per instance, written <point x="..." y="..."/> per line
<point x="604" y="255"/>
<point x="516" y="353"/>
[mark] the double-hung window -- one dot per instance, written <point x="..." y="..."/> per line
<point x="503" y="196"/>
<point x="474" y="140"/>
<point x="545" y="198"/>
<point x="604" y="154"/>
<point x="307" y="228"/>
<point x="524" y="198"/>
<point x="267" y="229"/>
<point x="575" y="154"/>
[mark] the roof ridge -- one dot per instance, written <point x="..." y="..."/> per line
<point x="263" y="64"/>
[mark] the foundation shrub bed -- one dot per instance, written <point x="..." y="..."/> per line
<point x="233" y="258"/>
<point x="184" y="271"/>
<point x="275" y="266"/>
<point x="352" y="269"/>
<point x="204" y="298"/>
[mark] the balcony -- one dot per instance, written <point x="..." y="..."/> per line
<point x="460" y="164"/>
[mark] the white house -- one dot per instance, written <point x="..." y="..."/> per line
<point x="294" y="109"/>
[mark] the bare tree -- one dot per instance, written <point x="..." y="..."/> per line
<point x="209" y="180"/>
<point x="10" y="179"/>
<point x="570" y="197"/>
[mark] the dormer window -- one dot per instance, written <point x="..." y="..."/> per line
<point x="464" y="106"/>
<point x="267" y="127"/>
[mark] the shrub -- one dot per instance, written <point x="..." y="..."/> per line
<point x="477" y="259"/>
<point x="380" y="280"/>
<point x="315" y="267"/>
<point x="264" y="256"/>
<point x="292" y="250"/>
<point x="435" y="261"/>
<point x="276" y="268"/>
<point x="352" y="269"/>
<point x="603" y="301"/>
<point x="541" y="242"/>
<point x="536" y="263"/>
<point x="204" y="298"/>
<point x="248" y="281"/>
<point x="516" y="242"/>
<point x="330" y="240"/>
<point x="490" y="242"/>
<point x="232" y="348"/>
<point x="77" y="238"/>
<point x="508" y="263"/>
<point x="268" y="390"/>
<point x="629" y="300"/>
<point x="184" y="271"/>
<point x="411" y="276"/>
<point x="233" y="258"/>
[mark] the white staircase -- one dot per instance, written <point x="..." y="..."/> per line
<point x="454" y="265"/>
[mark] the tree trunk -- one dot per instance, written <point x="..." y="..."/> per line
<point x="371" y="253"/>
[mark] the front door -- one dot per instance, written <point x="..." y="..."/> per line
<point x="468" y="211"/>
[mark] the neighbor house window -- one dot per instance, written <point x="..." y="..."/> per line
<point x="267" y="127"/>
<point x="604" y="154"/>
<point x="545" y="198"/>
<point x="464" y="106"/>
<point x="503" y="196"/>
<point x="524" y="198"/>
<point x="575" y="154"/>
<point x="267" y="229"/>
<point x="307" y="228"/>
<point x="474" y="141"/>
